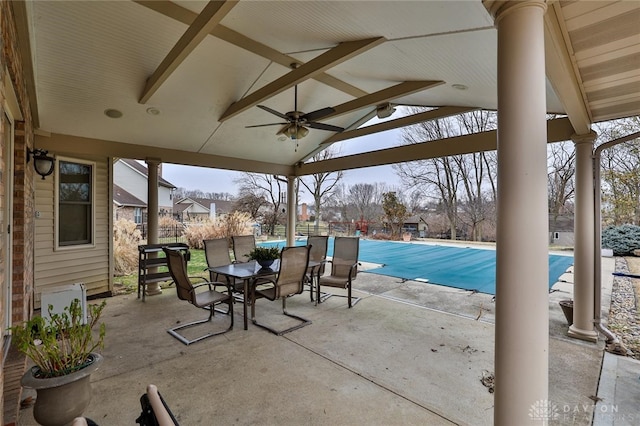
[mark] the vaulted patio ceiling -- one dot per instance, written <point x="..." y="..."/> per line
<point x="188" y="75"/>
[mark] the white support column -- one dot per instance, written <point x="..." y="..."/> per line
<point x="152" y="214"/>
<point x="292" y="211"/>
<point x="584" y="251"/>
<point x="522" y="311"/>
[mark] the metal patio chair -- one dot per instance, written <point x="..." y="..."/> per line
<point x="344" y="267"/>
<point x="216" y="252"/>
<point x="318" y="253"/>
<point x="242" y="246"/>
<point x="294" y="262"/>
<point x="207" y="299"/>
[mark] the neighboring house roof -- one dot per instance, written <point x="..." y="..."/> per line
<point x="143" y="170"/>
<point x="413" y="219"/>
<point x="123" y="198"/>
<point x="222" y="206"/>
<point x="179" y="208"/>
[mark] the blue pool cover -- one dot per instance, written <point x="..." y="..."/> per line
<point x="466" y="268"/>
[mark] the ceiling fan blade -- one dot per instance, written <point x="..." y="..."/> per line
<point x="323" y="126"/>
<point x="273" y="111"/>
<point x="318" y="114"/>
<point x="263" y="125"/>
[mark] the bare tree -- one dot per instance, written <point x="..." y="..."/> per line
<point x="250" y="203"/>
<point x="621" y="173"/>
<point x="438" y="174"/>
<point x="560" y="179"/>
<point x="463" y="183"/>
<point x="365" y="197"/>
<point x="321" y="185"/>
<point x="268" y="187"/>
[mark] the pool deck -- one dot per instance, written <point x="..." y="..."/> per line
<point x="409" y="353"/>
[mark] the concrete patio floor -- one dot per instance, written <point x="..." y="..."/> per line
<point x="408" y="354"/>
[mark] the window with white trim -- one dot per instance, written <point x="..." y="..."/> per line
<point x="75" y="202"/>
<point x="137" y="215"/>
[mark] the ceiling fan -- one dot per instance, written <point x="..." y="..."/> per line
<point x="298" y="123"/>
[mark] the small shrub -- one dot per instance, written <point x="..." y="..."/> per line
<point x="195" y="233"/>
<point x="126" y="238"/>
<point x="235" y="223"/>
<point x="167" y="221"/>
<point x="623" y="240"/>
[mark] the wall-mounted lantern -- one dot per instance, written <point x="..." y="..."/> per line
<point x="42" y="163"/>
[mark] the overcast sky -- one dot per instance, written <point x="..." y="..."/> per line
<point x="216" y="180"/>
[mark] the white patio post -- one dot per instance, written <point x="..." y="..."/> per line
<point x="522" y="314"/>
<point x="583" y="254"/>
<point x="291" y="211"/>
<point x="152" y="214"/>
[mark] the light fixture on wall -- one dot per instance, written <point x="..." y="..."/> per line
<point x="42" y="163"/>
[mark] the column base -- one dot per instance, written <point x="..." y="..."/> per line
<point x="153" y="289"/>
<point x="588" y="335"/>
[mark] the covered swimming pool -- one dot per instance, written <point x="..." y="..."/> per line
<point x="468" y="268"/>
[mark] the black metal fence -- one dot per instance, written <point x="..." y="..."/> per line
<point x="175" y="233"/>
<point x="166" y="234"/>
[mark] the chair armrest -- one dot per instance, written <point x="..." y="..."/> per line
<point x="214" y="283"/>
<point x="159" y="407"/>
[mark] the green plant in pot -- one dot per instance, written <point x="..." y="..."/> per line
<point x="64" y="351"/>
<point x="265" y="256"/>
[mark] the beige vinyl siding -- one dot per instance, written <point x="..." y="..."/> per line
<point x="67" y="265"/>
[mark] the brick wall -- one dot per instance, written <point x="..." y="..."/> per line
<point x="24" y="185"/>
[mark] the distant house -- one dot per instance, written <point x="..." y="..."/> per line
<point x="416" y="225"/>
<point x="127" y="206"/>
<point x="130" y="189"/>
<point x="561" y="231"/>
<point x="190" y="209"/>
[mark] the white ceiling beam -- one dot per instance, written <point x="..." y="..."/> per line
<point x="382" y="96"/>
<point x="202" y="25"/>
<point x="179" y="13"/>
<point x="557" y="131"/>
<point x="341" y="53"/>
<point x="58" y="144"/>
<point x="398" y="122"/>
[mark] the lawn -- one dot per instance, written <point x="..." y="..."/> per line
<point x="195" y="267"/>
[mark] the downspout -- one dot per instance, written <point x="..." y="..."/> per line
<point x="614" y="344"/>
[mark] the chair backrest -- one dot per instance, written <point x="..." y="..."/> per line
<point x="318" y="245"/>
<point x="345" y="254"/>
<point x="242" y="245"/>
<point x="318" y="251"/>
<point x="178" y="269"/>
<point x="293" y="268"/>
<point x="217" y="252"/>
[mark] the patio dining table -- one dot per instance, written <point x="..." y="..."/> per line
<point x="248" y="272"/>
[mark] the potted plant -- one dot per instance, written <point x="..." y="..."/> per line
<point x="63" y="350"/>
<point x="265" y="256"/>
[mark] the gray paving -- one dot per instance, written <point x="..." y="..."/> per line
<point x="408" y="354"/>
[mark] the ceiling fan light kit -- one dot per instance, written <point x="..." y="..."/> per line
<point x="296" y="132"/>
<point x="298" y="123"/>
